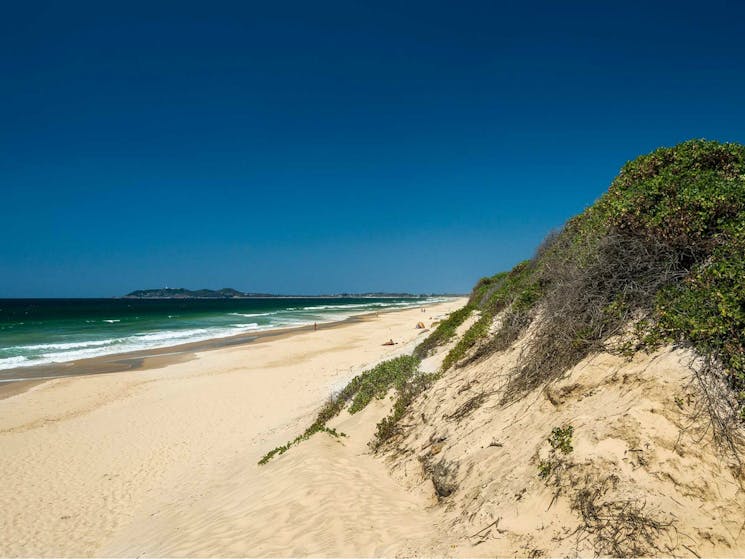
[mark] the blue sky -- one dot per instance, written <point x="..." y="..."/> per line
<point x="333" y="146"/>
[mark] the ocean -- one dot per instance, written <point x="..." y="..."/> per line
<point x="46" y="331"/>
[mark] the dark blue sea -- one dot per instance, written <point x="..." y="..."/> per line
<point x="43" y="331"/>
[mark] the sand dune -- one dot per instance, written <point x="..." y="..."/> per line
<point x="644" y="475"/>
<point x="164" y="462"/>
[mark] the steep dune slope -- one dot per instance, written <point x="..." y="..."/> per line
<point x="596" y="407"/>
<point x="643" y="476"/>
<point x="591" y="400"/>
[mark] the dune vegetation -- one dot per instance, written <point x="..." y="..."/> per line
<point x="659" y="258"/>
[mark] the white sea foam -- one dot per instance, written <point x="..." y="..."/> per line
<point x="111" y="321"/>
<point x="11" y="362"/>
<point x="63" y="356"/>
<point x="331" y="307"/>
<point x="371" y="306"/>
<point x="67" y="345"/>
<point x="38" y="354"/>
<point x="169" y="335"/>
<point x="73" y="351"/>
<point x="250" y="315"/>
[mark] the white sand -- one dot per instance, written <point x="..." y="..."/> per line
<point x="641" y="439"/>
<point x="163" y="461"/>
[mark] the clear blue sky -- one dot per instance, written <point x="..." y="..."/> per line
<point x="306" y="147"/>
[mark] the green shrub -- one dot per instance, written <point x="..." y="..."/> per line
<point x="476" y="332"/>
<point x="681" y="196"/>
<point x="692" y="198"/>
<point x="377" y="382"/>
<point x="561" y="439"/>
<point x="561" y="442"/>
<point x="708" y="308"/>
<point x="405" y="395"/>
<point x="545" y="467"/>
<point x="518" y="289"/>
<point x="444" y="332"/>
<point x="663" y="249"/>
<point x="373" y="383"/>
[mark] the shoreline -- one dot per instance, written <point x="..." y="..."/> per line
<point x="21" y="379"/>
<point x="96" y="459"/>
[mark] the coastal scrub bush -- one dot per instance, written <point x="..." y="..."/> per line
<point x="682" y="197"/>
<point x="708" y="309"/>
<point x="691" y="198"/>
<point x="594" y="285"/>
<point x="659" y="258"/>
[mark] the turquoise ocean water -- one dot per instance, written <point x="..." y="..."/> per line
<point x="44" y="331"/>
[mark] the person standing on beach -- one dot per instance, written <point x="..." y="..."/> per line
<point x="315" y="326"/>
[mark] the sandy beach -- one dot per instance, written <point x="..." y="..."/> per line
<point x="163" y="460"/>
<point x="350" y="280"/>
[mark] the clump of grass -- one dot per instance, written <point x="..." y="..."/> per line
<point x="360" y="391"/>
<point x="545" y="467"/>
<point x="468" y="407"/>
<point x="445" y="331"/>
<point x="377" y="382"/>
<point x="561" y="439"/>
<point x="443" y="474"/>
<point x="517" y="289"/>
<point x="561" y="442"/>
<point x="475" y="333"/>
<point x="300" y="438"/>
<point x="406" y="393"/>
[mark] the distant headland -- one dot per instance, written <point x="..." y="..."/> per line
<point x="182" y="293"/>
<point x="230" y="293"/>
